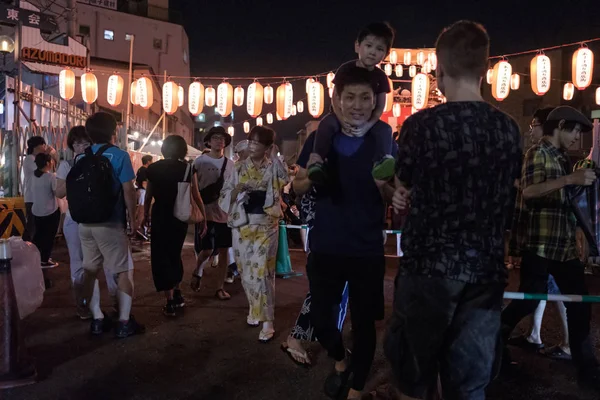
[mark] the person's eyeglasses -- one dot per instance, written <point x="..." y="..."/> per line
<point x="531" y="126"/>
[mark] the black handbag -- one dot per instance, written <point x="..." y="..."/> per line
<point x="212" y="192"/>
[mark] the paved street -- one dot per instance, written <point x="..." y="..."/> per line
<point x="210" y="354"/>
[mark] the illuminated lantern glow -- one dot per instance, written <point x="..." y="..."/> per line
<point x="489" y="76"/>
<point x="285" y="100"/>
<point x="316" y="99"/>
<point x="407" y="58"/>
<point x="426" y="67"/>
<point x="246" y="127"/>
<point x="515" y="82"/>
<point x="269" y="118"/>
<point x="133" y="97"/>
<point x="420" y="58"/>
<point x="145" y="94"/>
<point x="254" y="99"/>
<point x="432" y="58"/>
<point x="420" y="91"/>
<point x="224" y="99"/>
<point x="89" y="87"/>
<point x="583" y="67"/>
<point x="399" y="70"/>
<point x="598" y="96"/>
<point x="180" y="95"/>
<point x="389" y="98"/>
<point x="170" y="97"/>
<point x="501" y="80"/>
<point x="231" y="131"/>
<point x="210" y="96"/>
<point x="278" y="116"/>
<point x="268" y="95"/>
<point x="568" y="91"/>
<point x="330" y="78"/>
<point x="308" y="82"/>
<point x="396" y="110"/>
<point x="196" y="98"/>
<point x="393" y="57"/>
<point x="114" y="90"/>
<point x="66" y="84"/>
<point x="331" y="91"/>
<point x="388" y="69"/>
<point x="259" y="121"/>
<point x="294" y="110"/>
<point x="412" y="71"/>
<point x="540" y="74"/>
<point x="238" y="96"/>
<point x="300" y="106"/>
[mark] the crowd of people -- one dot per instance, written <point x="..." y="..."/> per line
<point x="457" y="172"/>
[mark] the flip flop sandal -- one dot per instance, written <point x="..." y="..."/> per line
<point x="266" y="337"/>
<point x="222" y="295"/>
<point x="293" y="352"/>
<point x="556" y="353"/>
<point x="195" y="283"/>
<point x="522" y="342"/>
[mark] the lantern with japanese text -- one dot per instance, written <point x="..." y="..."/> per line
<point x="501" y="80"/>
<point x="330" y="78"/>
<point x="224" y="99"/>
<point x="540" y="74"/>
<point x="238" y="96"/>
<point x="196" y="98"/>
<point x="89" y="87"/>
<point x="388" y="69"/>
<point x="489" y="76"/>
<point x="426" y="67"/>
<point x="515" y="82"/>
<point x="254" y="99"/>
<point x="285" y="100"/>
<point x="432" y="58"/>
<point x="568" y="91"/>
<point x="66" y="84"/>
<point x="170" y="97"/>
<point x="114" y="90"/>
<point x="316" y="99"/>
<point x="246" y="127"/>
<point x="268" y="95"/>
<point x="407" y="58"/>
<point x="412" y="71"/>
<point x="231" y="131"/>
<point x="420" y="58"/>
<point x="598" y="96"/>
<point x="269" y="118"/>
<point x="144" y="93"/>
<point x="300" y="106"/>
<point x="210" y="96"/>
<point x="389" y="97"/>
<point x="396" y="110"/>
<point x="393" y="57"/>
<point x="133" y="94"/>
<point x="399" y="70"/>
<point x="420" y="91"/>
<point x="259" y="121"/>
<point x="308" y="82"/>
<point x="180" y="95"/>
<point x="583" y="67"/>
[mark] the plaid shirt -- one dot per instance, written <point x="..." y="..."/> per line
<point x="551" y="224"/>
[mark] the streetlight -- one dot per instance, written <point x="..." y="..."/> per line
<point x="7" y="46"/>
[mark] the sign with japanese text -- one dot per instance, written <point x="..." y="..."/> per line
<point x="112" y="4"/>
<point x="10" y="15"/>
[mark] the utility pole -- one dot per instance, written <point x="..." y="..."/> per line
<point x="72" y="18"/>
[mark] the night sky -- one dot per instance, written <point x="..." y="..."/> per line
<point x="256" y="38"/>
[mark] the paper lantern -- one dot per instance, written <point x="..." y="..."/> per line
<point x="224" y="99"/>
<point x="420" y="58"/>
<point x="426" y="67"/>
<point x="254" y="99"/>
<point x="238" y="96"/>
<point x="407" y="58"/>
<point x="598" y="96"/>
<point x="196" y="98"/>
<point x="308" y="82"/>
<point x="294" y="110"/>
<point x="259" y="121"/>
<point x="420" y="91"/>
<point x="210" y="96"/>
<point x="300" y="106"/>
<point x="393" y="57"/>
<point x="568" y="91"/>
<point x="489" y="76"/>
<point x="388" y="69"/>
<point x="389" y="98"/>
<point x="277" y="116"/>
<point x="170" y="97"/>
<point x="89" y="87"/>
<point x="316" y="99"/>
<point x="145" y="94"/>
<point x="246" y="127"/>
<point x="114" y="90"/>
<point x="269" y="118"/>
<point x="399" y="70"/>
<point x="515" y="81"/>
<point x="231" y="131"/>
<point x="133" y="97"/>
<point x="330" y="78"/>
<point x="285" y="100"/>
<point x="412" y="71"/>
<point x="330" y="90"/>
<point x="501" y="80"/>
<point x="268" y="95"/>
<point x="180" y="95"/>
<point x="540" y="74"/>
<point x="66" y="84"/>
<point x="432" y="58"/>
<point x="396" y="110"/>
<point x="583" y="67"/>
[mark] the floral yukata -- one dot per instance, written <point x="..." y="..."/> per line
<point x="254" y="218"/>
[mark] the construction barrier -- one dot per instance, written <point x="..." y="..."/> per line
<point x="12" y="217"/>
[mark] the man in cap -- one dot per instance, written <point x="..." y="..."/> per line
<point x="550" y="244"/>
<point x="213" y="168"/>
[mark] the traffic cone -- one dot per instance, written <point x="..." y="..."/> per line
<point x="284" y="264"/>
<point x="15" y="368"/>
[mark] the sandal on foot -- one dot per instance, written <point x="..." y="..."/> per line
<point x="290" y="352"/>
<point x="266" y="336"/>
<point x="556" y="353"/>
<point x="522" y="342"/>
<point x="252" y="322"/>
<point x="222" y="295"/>
<point x="195" y="283"/>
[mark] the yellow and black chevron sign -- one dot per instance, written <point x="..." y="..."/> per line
<point x="12" y="217"/>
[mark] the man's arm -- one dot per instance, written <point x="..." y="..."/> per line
<point x="301" y="184"/>
<point x="130" y="203"/>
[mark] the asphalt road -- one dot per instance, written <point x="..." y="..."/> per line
<point x="209" y="353"/>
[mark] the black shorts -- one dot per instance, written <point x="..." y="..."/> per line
<point x="444" y="327"/>
<point x="218" y="236"/>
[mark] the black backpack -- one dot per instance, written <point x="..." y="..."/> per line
<point x="90" y="188"/>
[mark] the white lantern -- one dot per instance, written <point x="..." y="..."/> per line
<point x="170" y="97"/>
<point x="426" y="67"/>
<point x="246" y="127"/>
<point x="180" y="95"/>
<point x="269" y="118"/>
<point x="412" y="71"/>
<point x="254" y="99"/>
<point x="135" y="100"/>
<point x="89" y="87"/>
<point x="144" y="93"/>
<point x="285" y="100"/>
<point x="598" y="96"/>
<point x="259" y="121"/>
<point x="114" y="90"/>
<point x="308" y="82"/>
<point x="393" y="57"/>
<point x="501" y="80"/>
<point x="238" y="96"/>
<point x="489" y="76"/>
<point x="331" y="91"/>
<point x="231" y="131"/>
<point x="420" y="91"/>
<point x="540" y="74"/>
<point x="396" y="110"/>
<point x="330" y="78"/>
<point x="515" y="82"/>
<point x="66" y="84"/>
<point x="399" y="70"/>
<point x="432" y="58"/>
<point x="568" y="91"/>
<point x="268" y="95"/>
<point x="420" y="58"/>
<point x="583" y="67"/>
<point x="210" y="96"/>
<point x="388" y="69"/>
<point x="316" y="99"/>
<point x="407" y="58"/>
<point x="294" y="110"/>
<point x="196" y="98"/>
<point x="300" y="106"/>
<point x="224" y="99"/>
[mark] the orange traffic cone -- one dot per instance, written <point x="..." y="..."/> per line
<point x="15" y="368"/>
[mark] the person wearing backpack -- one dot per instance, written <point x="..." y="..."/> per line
<point x="213" y="169"/>
<point x="102" y="200"/>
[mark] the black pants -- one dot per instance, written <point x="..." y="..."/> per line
<point x="29" y="232"/>
<point x="327" y="275"/>
<point x="570" y="278"/>
<point x="45" y="232"/>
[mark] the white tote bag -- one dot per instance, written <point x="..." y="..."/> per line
<point x="186" y="210"/>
